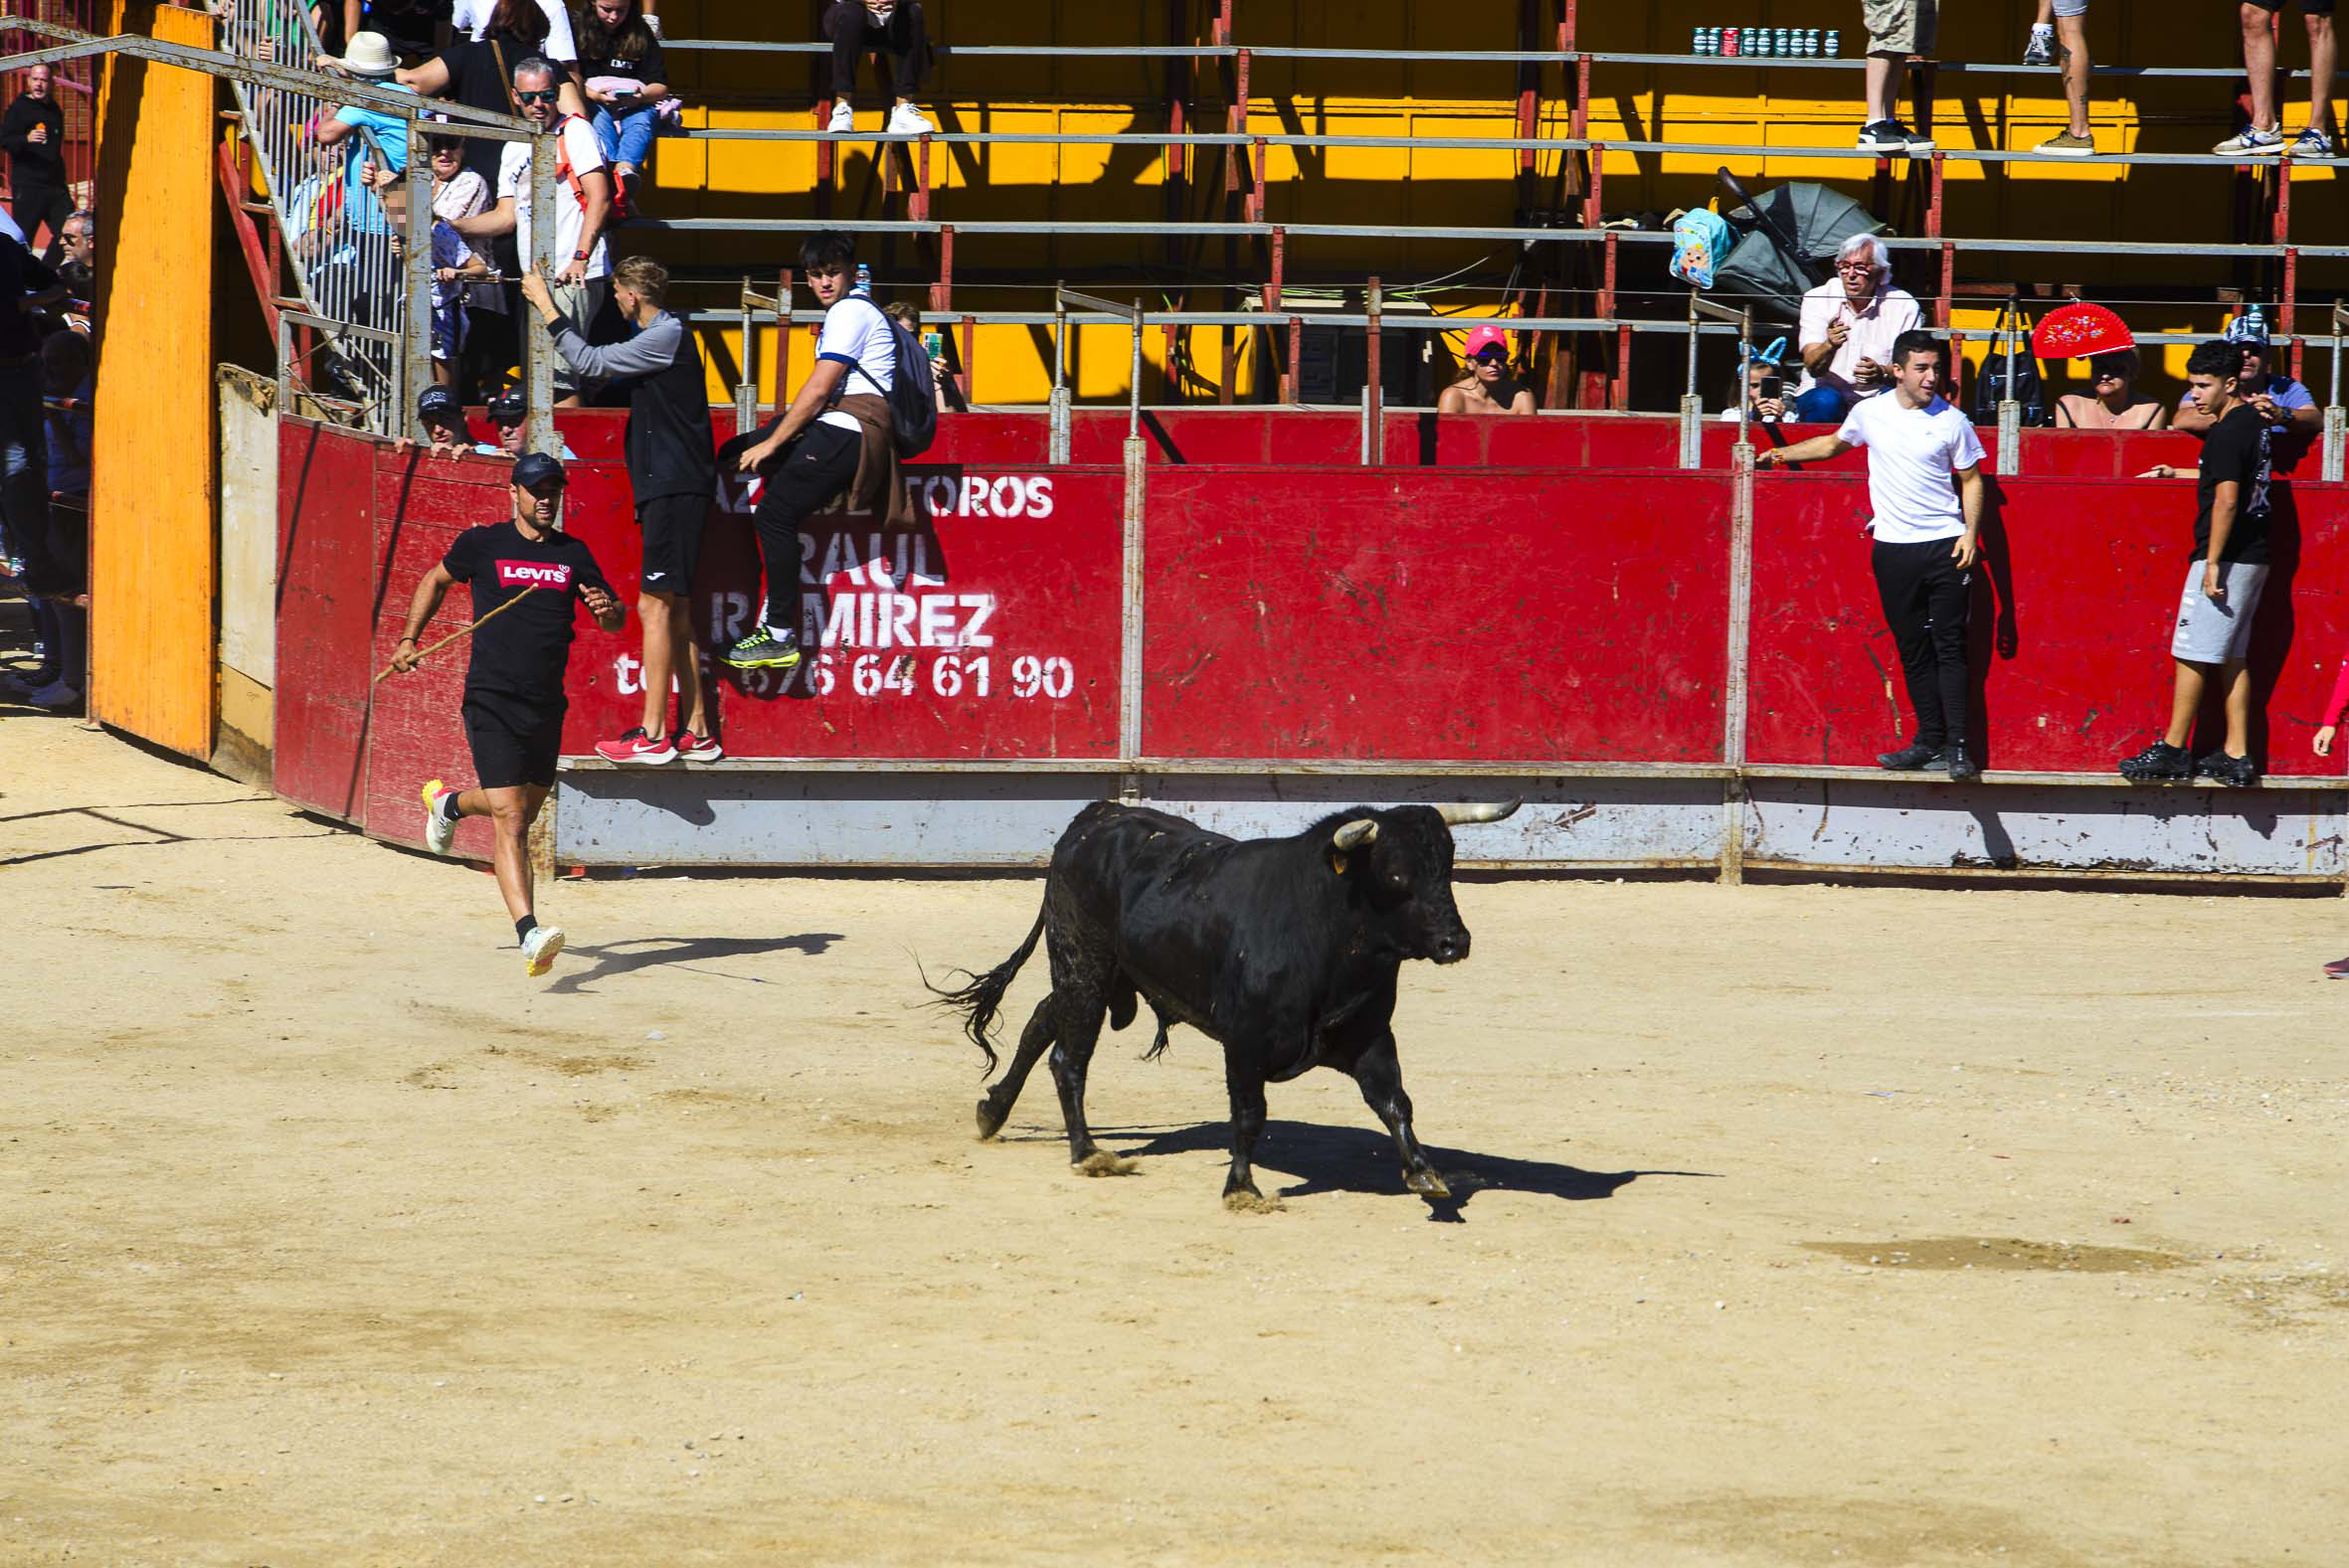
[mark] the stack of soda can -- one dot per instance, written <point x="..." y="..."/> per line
<point x="1766" y="43"/>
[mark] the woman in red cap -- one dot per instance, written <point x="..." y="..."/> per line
<point x="1487" y="387"/>
<point x="2083" y="331"/>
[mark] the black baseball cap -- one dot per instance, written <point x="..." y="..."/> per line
<point x="534" y="469"/>
<point x="509" y="406"/>
<point x="438" y="403"/>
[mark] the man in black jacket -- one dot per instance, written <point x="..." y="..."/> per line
<point x="673" y="470"/>
<point x="33" y="133"/>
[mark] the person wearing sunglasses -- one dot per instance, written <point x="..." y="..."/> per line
<point x="2113" y="403"/>
<point x="1487" y="387"/>
<point x="1846" y="330"/>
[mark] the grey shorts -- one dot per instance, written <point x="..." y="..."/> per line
<point x="1901" y="27"/>
<point x="2213" y="633"/>
<point x="2071" y="7"/>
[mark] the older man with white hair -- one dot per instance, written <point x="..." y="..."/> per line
<point x="1847" y="331"/>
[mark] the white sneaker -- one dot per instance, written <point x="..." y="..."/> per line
<point x="440" y="829"/>
<point x="539" y="949"/>
<point x="57" y="694"/>
<point x="906" y="121"/>
<point x="843" y="117"/>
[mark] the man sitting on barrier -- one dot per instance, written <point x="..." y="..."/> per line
<point x="2275" y="398"/>
<point x="1925" y="490"/>
<point x="2214" y="629"/>
<point x="1846" y="330"/>
<point x="829" y="444"/>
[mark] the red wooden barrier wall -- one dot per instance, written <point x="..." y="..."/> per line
<point x="1513" y="615"/>
<point x="1354" y="612"/>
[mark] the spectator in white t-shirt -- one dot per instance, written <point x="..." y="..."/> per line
<point x="583" y="202"/>
<point x="1848" y="329"/>
<point x="825" y="446"/>
<point x="1925" y="489"/>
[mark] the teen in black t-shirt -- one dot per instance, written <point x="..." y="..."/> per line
<point x="524" y="574"/>
<point x="2213" y="633"/>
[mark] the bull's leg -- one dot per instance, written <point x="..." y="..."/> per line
<point x="1079" y="1026"/>
<point x="1246" y="1085"/>
<point x="1380" y="1078"/>
<point x="995" y="1108"/>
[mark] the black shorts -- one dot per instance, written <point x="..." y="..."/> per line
<point x="672" y="527"/>
<point x="2311" y="7"/>
<point x="513" y="743"/>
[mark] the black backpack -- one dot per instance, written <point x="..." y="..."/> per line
<point x="2006" y="374"/>
<point x="913" y="401"/>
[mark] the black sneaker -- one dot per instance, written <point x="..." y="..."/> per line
<point x="2158" y="763"/>
<point x="1962" y="768"/>
<point x="763" y="650"/>
<point x="2238" y="773"/>
<point x="1883" y="135"/>
<point x="1914" y="758"/>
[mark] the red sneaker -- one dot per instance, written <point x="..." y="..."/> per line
<point x="2338" y="969"/>
<point x="698" y="748"/>
<point x="638" y="748"/>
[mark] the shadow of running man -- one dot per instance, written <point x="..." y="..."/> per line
<point x="685" y="952"/>
<point x="1362" y="1159"/>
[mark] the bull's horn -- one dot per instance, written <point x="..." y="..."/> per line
<point x="1357" y="832"/>
<point x="1456" y="815"/>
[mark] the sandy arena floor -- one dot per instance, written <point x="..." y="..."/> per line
<point x="1802" y="1225"/>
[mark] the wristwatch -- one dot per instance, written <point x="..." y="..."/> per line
<point x="578" y="255"/>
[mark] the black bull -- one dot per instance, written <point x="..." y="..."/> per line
<point x="1284" y="950"/>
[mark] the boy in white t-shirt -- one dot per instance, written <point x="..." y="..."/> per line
<point x="582" y="205"/>
<point x="811" y="456"/>
<point x="1924" y="493"/>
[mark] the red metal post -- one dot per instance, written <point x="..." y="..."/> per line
<point x="783" y="338"/>
<point x="942" y="293"/>
<point x="970" y="358"/>
<point x="1592" y="205"/>
<point x="1566" y="29"/>
<point x="1374" y="378"/>
<point x="1948" y="283"/>
<point x="1257" y="201"/>
<point x="1579" y="125"/>
<point x="922" y="192"/>
<point x="1236" y="122"/>
<point x="1289" y="378"/>
<point x="1529" y="76"/>
<point x="1933" y="201"/>
<point x="1622" y="364"/>
<point x="1280" y="250"/>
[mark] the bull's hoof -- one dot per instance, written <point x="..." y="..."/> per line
<point x="1101" y="1163"/>
<point x="1241" y="1200"/>
<point x="1426" y="1184"/>
<point x="991" y="1120"/>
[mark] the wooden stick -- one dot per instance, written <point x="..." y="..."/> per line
<point x="422" y="653"/>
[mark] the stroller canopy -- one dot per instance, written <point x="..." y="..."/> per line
<point x="1788" y="239"/>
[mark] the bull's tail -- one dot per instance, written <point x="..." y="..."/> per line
<point x="979" y="1000"/>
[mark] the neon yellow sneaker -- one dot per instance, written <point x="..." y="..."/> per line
<point x="440" y="828"/>
<point x="539" y="949"/>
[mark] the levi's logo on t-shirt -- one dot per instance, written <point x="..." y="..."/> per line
<point x="533" y="574"/>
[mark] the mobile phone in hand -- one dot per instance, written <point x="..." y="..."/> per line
<point x="933" y="343"/>
<point x="1772" y="388"/>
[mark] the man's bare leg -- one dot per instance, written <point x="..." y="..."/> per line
<point x="2323" y="58"/>
<point x="2237" y="676"/>
<point x="2186" y="701"/>
<point x="2258" y="63"/>
<point x="661" y="648"/>
<point x="511" y="811"/>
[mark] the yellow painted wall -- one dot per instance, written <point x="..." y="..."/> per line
<point x="1767" y="107"/>
<point x="152" y="645"/>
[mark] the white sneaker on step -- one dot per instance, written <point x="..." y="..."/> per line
<point x="907" y="120"/>
<point x="843" y="117"/>
<point x="539" y="949"/>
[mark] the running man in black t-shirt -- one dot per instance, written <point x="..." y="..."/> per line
<point x="2230" y="568"/>
<point x="513" y="682"/>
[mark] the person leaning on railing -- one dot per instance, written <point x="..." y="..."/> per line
<point x="2273" y="395"/>
<point x="582" y="204"/>
<point x="1486" y="385"/>
<point x="1848" y="329"/>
